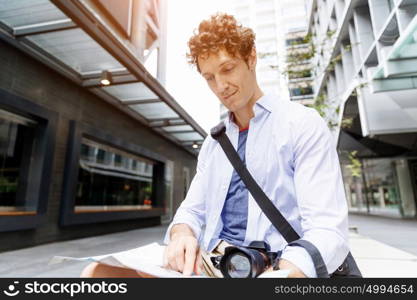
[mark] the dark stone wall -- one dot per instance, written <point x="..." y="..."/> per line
<point x="22" y="75"/>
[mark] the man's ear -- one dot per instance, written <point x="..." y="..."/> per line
<point x="252" y="59"/>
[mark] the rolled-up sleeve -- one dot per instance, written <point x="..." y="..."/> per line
<point x="320" y="196"/>
<point x="192" y="209"/>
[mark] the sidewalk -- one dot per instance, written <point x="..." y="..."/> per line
<point x="33" y="262"/>
<point x="384" y="247"/>
<point x="375" y="259"/>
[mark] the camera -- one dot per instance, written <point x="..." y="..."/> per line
<point x="246" y="262"/>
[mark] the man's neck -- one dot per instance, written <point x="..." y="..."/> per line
<point x="243" y="116"/>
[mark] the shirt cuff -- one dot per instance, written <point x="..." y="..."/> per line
<point x="194" y="227"/>
<point x="300" y="258"/>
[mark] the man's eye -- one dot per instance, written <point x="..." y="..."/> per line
<point x="228" y="69"/>
<point x="209" y="78"/>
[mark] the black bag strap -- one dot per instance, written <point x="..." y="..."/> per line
<point x="271" y="212"/>
<point x="319" y="264"/>
<point x="268" y="208"/>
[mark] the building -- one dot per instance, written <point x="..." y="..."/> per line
<point x="90" y="140"/>
<point x="296" y="50"/>
<point x="366" y="85"/>
<point x="299" y="71"/>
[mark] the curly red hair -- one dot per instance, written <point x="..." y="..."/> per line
<point x="220" y="31"/>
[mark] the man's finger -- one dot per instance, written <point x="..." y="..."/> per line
<point x="190" y="258"/>
<point x="171" y="262"/>
<point x="198" y="263"/>
<point x="179" y="258"/>
<point x="165" y="258"/>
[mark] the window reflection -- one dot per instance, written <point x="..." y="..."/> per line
<point x="376" y="191"/>
<point x="110" y="179"/>
<point x="16" y="143"/>
<point x="383" y="193"/>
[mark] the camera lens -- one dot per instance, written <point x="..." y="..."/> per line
<point x="238" y="266"/>
<point x="242" y="262"/>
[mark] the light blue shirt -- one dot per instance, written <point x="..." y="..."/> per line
<point x="291" y="154"/>
<point x="235" y="210"/>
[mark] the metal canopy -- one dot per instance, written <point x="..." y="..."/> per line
<point x="64" y="34"/>
<point x="77" y="50"/>
<point x="350" y="138"/>
<point x="398" y="71"/>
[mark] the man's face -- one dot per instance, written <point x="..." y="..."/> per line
<point x="230" y="78"/>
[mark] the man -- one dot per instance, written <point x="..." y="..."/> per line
<point x="286" y="147"/>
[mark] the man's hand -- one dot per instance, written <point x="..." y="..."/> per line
<point x="183" y="253"/>
<point x="283" y="264"/>
<point x="295" y="271"/>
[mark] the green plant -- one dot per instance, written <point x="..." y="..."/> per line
<point x="347" y="123"/>
<point x="296" y="57"/>
<point x="266" y="54"/>
<point x="330" y="33"/>
<point x="332" y="124"/>
<point x="333" y="62"/>
<point x="301" y="41"/>
<point x="299" y="74"/>
<point x="359" y="86"/>
<point x="362" y="85"/>
<point x="320" y="105"/>
<point x="7" y="186"/>
<point x="347" y="48"/>
<point x="355" y="165"/>
<point x="148" y="191"/>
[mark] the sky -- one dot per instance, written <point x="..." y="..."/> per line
<point x="183" y="81"/>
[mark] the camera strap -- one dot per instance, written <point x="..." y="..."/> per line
<point x="268" y="208"/>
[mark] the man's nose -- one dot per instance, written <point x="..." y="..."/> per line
<point x="223" y="86"/>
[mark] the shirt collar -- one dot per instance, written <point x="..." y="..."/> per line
<point x="265" y="103"/>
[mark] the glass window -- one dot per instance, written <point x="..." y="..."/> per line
<point x="101" y="156"/>
<point x="355" y="189"/>
<point x="301" y="91"/>
<point x="294" y="41"/>
<point x="121" y="183"/>
<point x="169" y="192"/>
<point x="376" y="191"/>
<point x="16" y="144"/>
<point x="383" y="193"/>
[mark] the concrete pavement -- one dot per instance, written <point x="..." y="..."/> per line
<point x="376" y="259"/>
<point x="384" y="247"/>
<point x="369" y="246"/>
<point x="395" y="232"/>
<point x="33" y="262"/>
